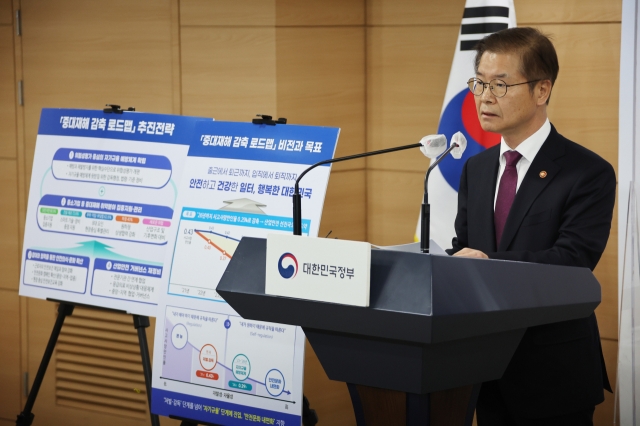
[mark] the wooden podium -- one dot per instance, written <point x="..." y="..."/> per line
<point x="436" y="326"/>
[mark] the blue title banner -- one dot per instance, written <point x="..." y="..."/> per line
<point x="114" y="158"/>
<point x="59" y="258"/>
<point x="166" y="403"/>
<point x="251" y="220"/>
<point x="128" y="268"/>
<point x="133" y="126"/>
<point x="139" y="209"/>
<point x="282" y="143"/>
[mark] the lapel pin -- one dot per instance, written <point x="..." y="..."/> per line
<point x="543" y="174"/>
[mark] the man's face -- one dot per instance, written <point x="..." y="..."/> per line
<point x="513" y="114"/>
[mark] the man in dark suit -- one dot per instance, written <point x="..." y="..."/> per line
<point x="536" y="197"/>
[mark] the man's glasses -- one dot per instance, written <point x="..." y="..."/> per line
<point x="497" y="87"/>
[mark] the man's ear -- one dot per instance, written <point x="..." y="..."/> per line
<point x="543" y="92"/>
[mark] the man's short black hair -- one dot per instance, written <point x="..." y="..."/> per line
<point x="538" y="58"/>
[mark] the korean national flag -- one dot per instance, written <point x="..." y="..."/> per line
<point x="480" y="18"/>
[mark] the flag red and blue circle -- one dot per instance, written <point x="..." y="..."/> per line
<point x="460" y="115"/>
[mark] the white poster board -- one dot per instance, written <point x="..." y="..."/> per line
<point x="210" y="364"/>
<point x="99" y="214"/>
<point x="628" y="374"/>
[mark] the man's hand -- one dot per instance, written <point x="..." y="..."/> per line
<point x="468" y="252"/>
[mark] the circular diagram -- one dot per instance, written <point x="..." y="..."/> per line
<point x="208" y="357"/>
<point x="241" y="367"/>
<point x="179" y="334"/>
<point x="274" y="382"/>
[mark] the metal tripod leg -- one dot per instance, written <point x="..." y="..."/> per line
<point x="141" y="323"/>
<point x="25" y="418"/>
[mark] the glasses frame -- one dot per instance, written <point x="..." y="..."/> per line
<point x="484" y="85"/>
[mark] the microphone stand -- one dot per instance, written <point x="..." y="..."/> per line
<point x="297" y="198"/>
<point x="425" y="221"/>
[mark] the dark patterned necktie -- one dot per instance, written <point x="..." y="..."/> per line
<point x="506" y="192"/>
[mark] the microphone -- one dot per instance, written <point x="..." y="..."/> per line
<point x="457" y="147"/>
<point x="431" y="146"/>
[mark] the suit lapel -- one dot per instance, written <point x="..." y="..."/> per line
<point x="532" y="185"/>
<point x="487" y="184"/>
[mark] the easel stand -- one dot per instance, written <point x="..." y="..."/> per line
<point x="141" y="323"/>
<point x="25" y="418"/>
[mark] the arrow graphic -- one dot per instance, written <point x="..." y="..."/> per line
<point x="247" y="379"/>
<point x="93" y="248"/>
<point x="244" y="205"/>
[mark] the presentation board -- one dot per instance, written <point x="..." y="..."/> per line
<point x="100" y="208"/>
<point x="210" y="364"/>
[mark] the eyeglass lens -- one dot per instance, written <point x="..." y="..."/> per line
<point x="497" y="87"/>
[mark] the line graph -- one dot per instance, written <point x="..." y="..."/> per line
<point x="201" y="255"/>
<point x="226" y="352"/>
<point x="226" y="252"/>
<point x="207" y="240"/>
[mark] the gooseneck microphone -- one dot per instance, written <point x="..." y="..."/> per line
<point x="458" y="145"/>
<point x="431" y="146"/>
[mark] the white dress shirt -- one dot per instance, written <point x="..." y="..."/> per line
<point x="528" y="149"/>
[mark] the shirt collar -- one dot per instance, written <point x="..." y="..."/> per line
<point x="530" y="146"/>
